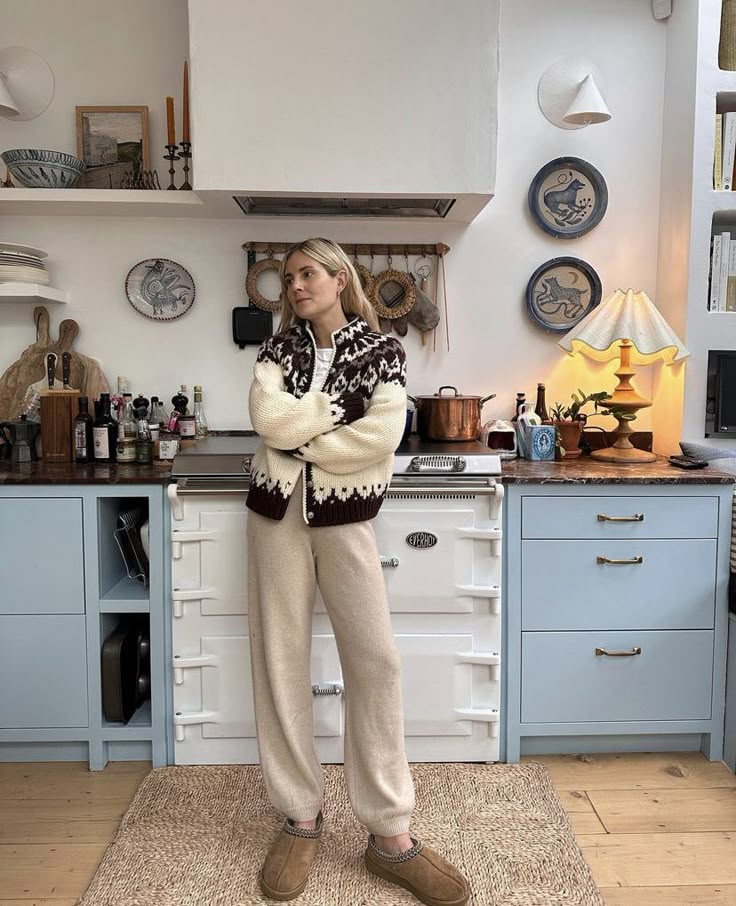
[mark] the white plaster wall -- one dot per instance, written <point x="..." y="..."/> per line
<point x="494" y="346"/>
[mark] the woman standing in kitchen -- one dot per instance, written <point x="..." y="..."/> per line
<point x="328" y="400"/>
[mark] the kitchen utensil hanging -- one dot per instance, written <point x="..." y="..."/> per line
<point x="393" y="304"/>
<point x="367" y="280"/>
<point x="251" y="280"/>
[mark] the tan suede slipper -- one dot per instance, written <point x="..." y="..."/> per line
<point x="286" y="870"/>
<point x="420" y="870"/>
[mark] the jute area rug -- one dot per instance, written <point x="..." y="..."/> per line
<point x="197" y="836"/>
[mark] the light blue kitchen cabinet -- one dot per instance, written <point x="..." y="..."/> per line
<point x="64" y="589"/>
<point x="615" y="617"/>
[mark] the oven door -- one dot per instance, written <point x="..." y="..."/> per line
<point x="214" y="718"/>
<point x="440" y="545"/>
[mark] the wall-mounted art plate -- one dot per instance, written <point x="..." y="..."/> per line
<point x="561" y="292"/>
<point x="160" y="289"/>
<point x="568" y="197"/>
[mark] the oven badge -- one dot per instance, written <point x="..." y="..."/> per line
<point x="421" y="540"/>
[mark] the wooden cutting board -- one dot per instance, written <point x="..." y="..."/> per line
<point x="86" y="374"/>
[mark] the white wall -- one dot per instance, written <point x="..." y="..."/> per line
<point x="495" y="347"/>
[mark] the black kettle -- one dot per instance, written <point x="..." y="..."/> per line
<point x="21" y="436"/>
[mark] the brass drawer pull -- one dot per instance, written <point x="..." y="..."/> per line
<point x="637" y="517"/>
<point x="600" y="652"/>
<point x="614" y="562"/>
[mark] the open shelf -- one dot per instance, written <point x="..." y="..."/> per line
<point x="31" y="292"/>
<point x="101" y="202"/>
<point x="126" y="596"/>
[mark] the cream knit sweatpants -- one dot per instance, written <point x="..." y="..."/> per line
<point x="286" y="562"/>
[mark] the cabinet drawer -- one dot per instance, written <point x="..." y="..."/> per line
<point x="563" y="680"/>
<point x="41" y="559"/>
<point x="564" y="586"/>
<point x="43" y="660"/>
<point x="644" y="517"/>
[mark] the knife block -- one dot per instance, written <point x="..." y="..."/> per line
<point x="58" y="410"/>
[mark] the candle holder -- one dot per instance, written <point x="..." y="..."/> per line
<point x="171" y="157"/>
<point x="186" y="153"/>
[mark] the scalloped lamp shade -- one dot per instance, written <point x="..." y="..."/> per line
<point x="625" y="316"/>
<point x="625" y="324"/>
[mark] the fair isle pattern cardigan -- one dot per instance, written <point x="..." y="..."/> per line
<point x="342" y="438"/>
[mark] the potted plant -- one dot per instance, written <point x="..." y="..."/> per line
<point x="569" y="421"/>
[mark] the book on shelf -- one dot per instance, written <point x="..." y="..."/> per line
<point x="729" y="150"/>
<point x="715" y="273"/>
<point x="718" y="154"/>
<point x="725" y="260"/>
<point x="731" y="282"/>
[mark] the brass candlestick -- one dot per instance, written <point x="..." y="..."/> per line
<point x="186" y="154"/>
<point x="171" y="157"/>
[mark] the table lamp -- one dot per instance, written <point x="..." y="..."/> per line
<point x="625" y="322"/>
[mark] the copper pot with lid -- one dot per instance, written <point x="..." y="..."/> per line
<point x="456" y="417"/>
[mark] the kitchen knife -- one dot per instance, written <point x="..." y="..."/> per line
<point x="51" y="369"/>
<point x="66" y="368"/>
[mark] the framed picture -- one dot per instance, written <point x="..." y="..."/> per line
<point x="561" y="292"/>
<point x="568" y="197"/>
<point x="111" y="141"/>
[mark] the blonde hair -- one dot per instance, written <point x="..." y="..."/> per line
<point x="333" y="258"/>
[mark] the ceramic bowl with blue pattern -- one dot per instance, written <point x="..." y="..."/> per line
<point x="37" y="169"/>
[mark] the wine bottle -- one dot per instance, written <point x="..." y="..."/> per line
<point x="541" y="406"/>
<point x="84" y="449"/>
<point x="105" y="432"/>
<point x="520" y="400"/>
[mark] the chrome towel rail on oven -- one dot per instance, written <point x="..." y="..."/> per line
<point x="212" y="486"/>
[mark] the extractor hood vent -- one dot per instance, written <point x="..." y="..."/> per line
<point x="304" y="206"/>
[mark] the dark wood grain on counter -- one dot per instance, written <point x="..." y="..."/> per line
<point x="590" y="471"/>
<point x="71" y="473"/>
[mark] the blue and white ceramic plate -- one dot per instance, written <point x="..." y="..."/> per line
<point x="561" y="292"/>
<point x="160" y="289"/>
<point x="568" y="197"/>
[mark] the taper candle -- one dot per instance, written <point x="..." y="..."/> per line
<point x="171" y="131"/>
<point x="185" y="104"/>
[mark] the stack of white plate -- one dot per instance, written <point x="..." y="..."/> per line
<point x="22" y="264"/>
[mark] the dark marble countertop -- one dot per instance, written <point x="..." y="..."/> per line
<point x="71" y="473"/>
<point x="585" y="470"/>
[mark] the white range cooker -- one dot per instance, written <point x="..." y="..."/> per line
<point x="439" y="537"/>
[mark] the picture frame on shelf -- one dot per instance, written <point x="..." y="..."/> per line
<point x="561" y="292"/>
<point x="112" y="141"/>
<point x="568" y="197"/>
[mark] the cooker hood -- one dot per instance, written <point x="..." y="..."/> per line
<point x="346" y="109"/>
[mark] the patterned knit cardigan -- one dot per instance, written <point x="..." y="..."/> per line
<point x="342" y="438"/>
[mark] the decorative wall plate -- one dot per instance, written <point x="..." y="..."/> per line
<point x="561" y="292"/>
<point x="568" y="197"/>
<point x="160" y="289"/>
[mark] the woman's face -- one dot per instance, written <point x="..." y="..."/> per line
<point x="311" y="290"/>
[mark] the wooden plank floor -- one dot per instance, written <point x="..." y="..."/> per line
<point x="656" y="829"/>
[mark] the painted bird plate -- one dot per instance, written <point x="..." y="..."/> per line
<point x="160" y="289"/>
<point x="568" y="197"/>
<point x="561" y="292"/>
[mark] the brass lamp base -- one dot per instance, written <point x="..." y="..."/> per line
<point x="625" y="454"/>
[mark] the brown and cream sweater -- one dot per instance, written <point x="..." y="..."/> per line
<point x="340" y="439"/>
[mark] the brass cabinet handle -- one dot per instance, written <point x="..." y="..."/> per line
<point x="601" y="652"/>
<point x="614" y="562"/>
<point x="637" y="517"/>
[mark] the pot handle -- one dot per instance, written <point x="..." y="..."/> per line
<point x="3" y="433"/>
<point x="412" y="398"/>
<point x="446" y="387"/>
<point x="484" y="399"/>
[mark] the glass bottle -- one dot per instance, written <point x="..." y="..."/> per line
<point x="117" y="401"/>
<point x="201" y="427"/>
<point x="520" y="400"/>
<point x="104" y="432"/>
<point x="156" y="418"/>
<point x="144" y="442"/>
<point x="541" y="406"/>
<point x="84" y="445"/>
<point x="128" y="419"/>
